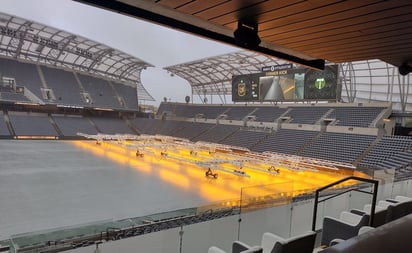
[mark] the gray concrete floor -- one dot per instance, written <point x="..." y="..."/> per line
<point x="49" y="184"/>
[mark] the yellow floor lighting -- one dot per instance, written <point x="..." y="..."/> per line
<point x="186" y="165"/>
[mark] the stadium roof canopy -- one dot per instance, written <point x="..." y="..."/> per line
<point x="306" y="32"/>
<point x="375" y="81"/>
<point x="25" y="40"/>
<point x="213" y="75"/>
<point x="362" y="81"/>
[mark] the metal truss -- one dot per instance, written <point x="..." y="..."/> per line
<point x="212" y="77"/>
<point x="362" y="81"/>
<point x="375" y="81"/>
<point x="28" y="41"/>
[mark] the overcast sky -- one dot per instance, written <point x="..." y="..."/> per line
<point x="157" y="45"/>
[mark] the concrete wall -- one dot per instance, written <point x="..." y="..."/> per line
<point x="287" y="220"/>
<point x="352" y="130"/>
<point x="301" y="127"/>
<point x="262" y="124"/>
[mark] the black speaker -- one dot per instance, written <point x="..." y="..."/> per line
<point x="405" y="69"/>
<point x="247" y="35"/>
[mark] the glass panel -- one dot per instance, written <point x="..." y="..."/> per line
<point x="272" y="200"/>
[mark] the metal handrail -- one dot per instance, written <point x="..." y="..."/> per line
<point x="367" y="180"/>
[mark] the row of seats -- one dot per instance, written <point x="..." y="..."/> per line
<point x="340" y="147"/>
<point x="332" y="146"/>
<point x="269" y="114"/>
<point x="25" y="74"/>
<point x="191" y="111"/>
<point x="32" y="124"/>
<point x="286" y="141"/>
<point x="321" y="145"/>
<point x="343" y="116"/>
<point x="245" y="138"/>
<point x="272" y="243"/>
<point x="391" y="237"/>
<point x="397" y="148"/>
<point x="334" y="231"/>
<point x="356" y="117"/>
<point x="64" y="88"/>
<point x="216" y="133"/>
<point x="306" y="115"/>
<point x="350" y="222"/>
<point x="40" y="124"/>
<point x="13" y="96"/>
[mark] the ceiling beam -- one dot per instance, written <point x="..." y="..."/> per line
<point x="174" y="22"/>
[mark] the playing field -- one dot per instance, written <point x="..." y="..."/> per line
<point x="49" y="184"/>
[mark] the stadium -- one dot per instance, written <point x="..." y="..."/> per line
<point x="284" y="152"/>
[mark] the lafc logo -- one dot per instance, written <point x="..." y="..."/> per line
<point x="241" y="89"/>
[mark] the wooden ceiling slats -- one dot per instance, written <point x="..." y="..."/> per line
<point x="226" y="7"/>
<point x="231" y="18"/>
<point x="386" y="39"/>
<point x="288" y="20"/>
<point x="335" y="30"/>
<point x="345" y="36"/>
<point x="334" y="33"/>
<point x="387" y="56"/>
<point x="196" y="7"/>
<point x="338" y="21"/>
<point x="375" y="53"/>
<point x="387" y="33"/>
<point x="364" y="48"/>
<point x="173" y="3"/>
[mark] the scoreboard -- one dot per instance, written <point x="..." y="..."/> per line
<point x="286" y="85"/>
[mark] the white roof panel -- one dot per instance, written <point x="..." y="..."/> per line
<point x="29" y="41"/>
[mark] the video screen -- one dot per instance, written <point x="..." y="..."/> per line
<point x="281" y="88"/>
<point x="286" y="85"/>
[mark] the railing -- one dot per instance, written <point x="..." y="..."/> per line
<point x="366" y="180"/>
<point x="95" y="233"/>
<point x="252" y="198"/>
<point x="277" y="208"/>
